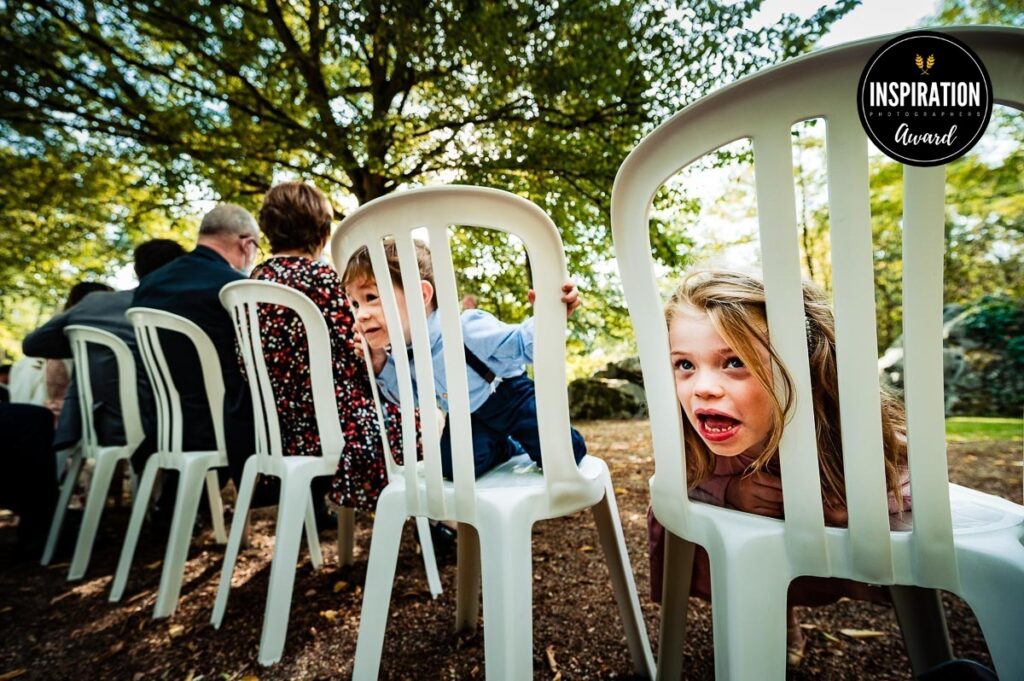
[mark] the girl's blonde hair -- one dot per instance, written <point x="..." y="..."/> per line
<point x="735" y="304"/>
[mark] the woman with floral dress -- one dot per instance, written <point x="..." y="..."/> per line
<point x="296" y="219"/>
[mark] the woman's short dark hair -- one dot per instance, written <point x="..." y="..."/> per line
<point x="295" y="216"/>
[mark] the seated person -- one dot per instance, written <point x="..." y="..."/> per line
<point x="296" y="219"/>
<point x="102" y="309"/>
<point x="501" y="396"/>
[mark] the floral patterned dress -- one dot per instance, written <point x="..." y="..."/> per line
<point x="361" y="470"/>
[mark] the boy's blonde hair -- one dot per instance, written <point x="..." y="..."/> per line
<point x="360" y="269"/>
<point x="735" y="304"/>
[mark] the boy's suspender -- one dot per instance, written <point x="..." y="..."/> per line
<point x="475" y="363"/>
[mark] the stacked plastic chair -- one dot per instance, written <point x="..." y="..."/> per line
<point x="295" y="506"/>
<point x="196" y="469"/>
<point x="105" y="456"/>
<point x="496" y="512"/>
<point x="962" y="541"/>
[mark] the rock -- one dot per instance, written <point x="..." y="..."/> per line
<point x="981" y="358"/>
<point x="627" y="369"/>
<point x="606" y="398"/>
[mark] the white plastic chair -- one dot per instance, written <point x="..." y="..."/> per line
<point x="503" y="504"/>
<point x="194" y="467"/>
<point x="242" y="300"/>
<point x="975" y="551"/>
<point x="106" y="457"/>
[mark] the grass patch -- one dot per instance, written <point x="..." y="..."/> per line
<point x="990" y="428"/>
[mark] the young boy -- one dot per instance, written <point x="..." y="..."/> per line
<point x="501" y="396"/>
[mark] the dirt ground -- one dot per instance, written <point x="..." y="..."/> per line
<point x="52" y="629"/>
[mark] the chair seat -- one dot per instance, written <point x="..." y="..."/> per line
<point x="976" y="512"/>
<point x="517" y="480"/>
<point x="314" y="465"/>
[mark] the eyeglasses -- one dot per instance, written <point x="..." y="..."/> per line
<point x="256" y="242"/>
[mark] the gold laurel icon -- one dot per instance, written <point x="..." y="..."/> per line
<point x="924" y="65"/>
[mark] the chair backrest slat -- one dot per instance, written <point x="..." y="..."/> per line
<point x="780" y="255"/>
<point x="857" y="362"/>
<point x="763" y="108"/>
<point x="923" y="248"/>
<point x="81" y="337"/>
<point x="80" y="351"/>
<point x="454" y="364"/>
<point x="243" y="301"/>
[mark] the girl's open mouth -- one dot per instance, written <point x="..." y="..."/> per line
<point x="717" y="427"/>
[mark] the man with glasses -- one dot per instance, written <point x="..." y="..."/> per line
<point x="226" y="250"/>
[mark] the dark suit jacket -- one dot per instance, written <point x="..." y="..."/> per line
<point x="189" y="286"/>
<point x="103" y="310"/>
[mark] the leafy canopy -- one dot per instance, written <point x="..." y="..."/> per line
<point x="132" y="110"/>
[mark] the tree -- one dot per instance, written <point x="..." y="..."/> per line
<point x="221" y="98"/>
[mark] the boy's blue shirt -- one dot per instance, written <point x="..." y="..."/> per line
<point x="504" y="348"/>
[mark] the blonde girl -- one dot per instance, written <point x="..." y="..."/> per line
<point x="723" y="364"/>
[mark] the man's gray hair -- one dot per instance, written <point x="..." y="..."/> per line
<point x="228" y="218"/>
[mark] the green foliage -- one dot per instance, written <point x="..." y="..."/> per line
<point x="1007" y="12"/>
<point x="980" y="428"/>
<point x="157" y="103"/>
<point x="998" y="323"/>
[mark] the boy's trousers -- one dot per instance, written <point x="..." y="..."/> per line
<point x="504" y="426"/>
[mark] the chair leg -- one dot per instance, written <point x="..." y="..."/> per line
<point x="312" y="535"/>
<point x="239" y="527"/>
<point x="506" y="559"/>
<point x="380" y="575"/>
<point x="429" y="559"/>
<point x="139" y="504"/>
<point x="70" y="478"/>
<point x="346" y="535"/>
<point x="216" y="506"/>
<point x="609" y="530"/>
<point x="991" y="585"/>
<point x="675" y="600"/>
<point x="291" y="511"/>
<point x="467" y="579"/>
<point x="923" y="623"/>
<point x="190" y="489"/>
<point x="95" y="502"/>
<point x="749" y="615"/>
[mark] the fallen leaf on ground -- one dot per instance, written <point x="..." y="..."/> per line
<point x="141" y="594"/>
<point x="340" y="586"/>
<point x="61" y="597"/>
<point x="550" y="652"/>
<point x="311" y="592"/>
<point x="57" y="566"/>
<point x="586" y="548"/>
<point x="154" y="564"/>
<point x="329" y="615"/>
<point x="830" y="637"/>
<point x="250" y="677"/>
<point x="13" y="674"/>
<point x="862" y="633"/>
<point x="175" y="630"/>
